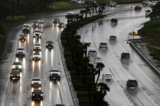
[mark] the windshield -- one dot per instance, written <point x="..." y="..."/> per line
<point x="37" y="45"/>
<point x="36" y="79"/>
<point x="38" y="31"/>
<point x="55" y="70"/>
<point x="16" y="63"/>
<point x="103" y="43"/>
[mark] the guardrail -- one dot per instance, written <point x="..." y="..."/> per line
<point x="156" y="70"/>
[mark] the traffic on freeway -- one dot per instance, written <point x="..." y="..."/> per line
<point x="35" y="73"/>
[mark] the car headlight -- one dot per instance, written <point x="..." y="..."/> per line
<point x="19" y="37"/>
<point x="41" y="94"/>
<point x="52" y="44"/>
<point x="13" y="66"/>
<point x="17" y="75"/>
<point x="39" y="82"/>
<point x="58" y="73"/>
<point x="11" y="75"/>
<point x="32" y="82"/>
<point x="20" y="66"/>
<point x="50" y="73"/>
<point x="32" y="94"/>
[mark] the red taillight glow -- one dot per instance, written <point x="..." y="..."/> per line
<point x="88" y="53"/>
<point x="129" y="55"/>
<point x="95" y="60"/>
<point x="136" y="82"/>
<point x="104" y="76"/>
<point x="129" y="82"/>
<point x="101" y="60"/>
<point x="96" y="53"/>
<point x="110" y="76"/>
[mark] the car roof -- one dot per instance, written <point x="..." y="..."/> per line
<point x="49" y="42"/>
<point x="20" y="48"/>
<point x="125" y="53"/>
<point x="54" y="69"/>
<point x="97" y="57"/>
<point x="59" y="105"/>
<point x="103" y="43"/>
<point x="107" y="73"/>
<point x="112" y="36"/>
<point x="132" y="80"/>
<point x="92" y="50"/>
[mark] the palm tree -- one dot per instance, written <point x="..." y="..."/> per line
<point x="85" y="45"/>
<point x="90" y="67"/>
<point x="89" y="84"/>
<point x="99" y="66"/>
<point x="103" y="89"/>
<point x="82" y="12"/>
<point x="85" y="61"/>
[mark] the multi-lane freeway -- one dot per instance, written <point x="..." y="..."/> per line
<point x="19" y="92"/>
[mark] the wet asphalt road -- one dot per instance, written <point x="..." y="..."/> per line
<point x="148" y="91"/>
<point x="18" y="93"/>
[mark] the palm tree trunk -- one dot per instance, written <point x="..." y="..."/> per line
<point x="98" y="75"/>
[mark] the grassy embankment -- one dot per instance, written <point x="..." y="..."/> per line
<point x="10" y="23"/>
<point x="120" y="1"/>
<point x="151" y="30"/>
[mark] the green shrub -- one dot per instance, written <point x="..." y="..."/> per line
<point x="2" y="36"/>
<point x="67" y="53"/>
<point x="82" y="93"/>
<point x="85" y="104"/>
<point x="84" y="99"/>
<point x="60" y="5"/>
<point x="79" y="86"/>
<point x="70" y="65"/>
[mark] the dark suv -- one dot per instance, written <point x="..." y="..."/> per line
<point x="37" y="95"/>
<point x="114" y="20"/>
<point x="137" y="8"/>
<point x="55" y="21"/>
<point x="112" y="37"/>
<point x="132" y="83"/>
<point x="125" y="55"/>
<point x="103" y="45"/>
<point x="49" y="44"/>
<point x="22" y="37"/>
<point x="15" y="74"/>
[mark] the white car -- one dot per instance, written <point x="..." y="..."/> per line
<point x="98" y="60"/>
<point x="41" y="21"/>
<point x="26" y="28"/>
<point x="113" y="4"/>
<point x="20" y="52"/>
<point x="36" y="82"/>
<point x="92" y="52"/>
<point x="16" y="66"/>
<point x="107" y="76"/>
<point x="36" y="56"/>
<point x="37" y="33"/>
<point x="70" y="13"/>
<point x="146" y="2"/>
<point x="37" y="47"/>
<point x="55" y="74"/>
<point x="103" y="45"/>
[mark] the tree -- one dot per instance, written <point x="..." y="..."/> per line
<point x="89" y="84"/>
<point x="85" y="45"/>
<point x="99" y="66"/>
<point x="155" y="12"/>
<point x="103" y="89"/>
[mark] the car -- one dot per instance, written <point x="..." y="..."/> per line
<point x="70" y="13"/>
<point x="15" y="74"/>
<point x="152" y="3"/>
<point x="17" y="66"/>
<point x="114" y="20"/>
<point x="36" y="56"/>
<point x="98" y="60"/>
<point x="137" y="8"/>
<point x="55" y="74"/>
<point x="113" y="4"/>
<point x="20" y="52"/>
<point x="132" y="83"/>
<point x="37" y="94"/>
<point x="145" y="2"/>
<point x="37" y="47"/>
<point x="26" y="28"/>
<point x="22" y="37"/>
<point x="37" y="33"/>
<point x="59" y="105"/>
<point x="36" y="82"/>
<point x="41" y="21"/>
<point x="35" y="24"/>
<point x="92" y="52"/>
<point x="55" y="21"/>
<point x="125" y="55"/>
<point x="61" y="25"/>
<point x="49" y="44"/>
<point x="103" y="45"/>
<point x="107" y="76"/>
<point x="112" y="37"/>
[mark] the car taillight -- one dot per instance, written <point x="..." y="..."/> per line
<point x="101" y="60"/>
<point x="110" y="76"/>
<point x="95" y="60"/>
<point x="129" y="82"/>
<point x="88" y="53"/>
<point x="129" y="55"/>
<point x="104" y="76"/>
<point x="122" y="55"/>
<point x="96" y="53"/>
<point x="136" y="82"/>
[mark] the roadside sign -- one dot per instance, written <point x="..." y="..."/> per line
<point x="133" y="33"/>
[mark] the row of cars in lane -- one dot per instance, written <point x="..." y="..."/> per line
<point x="97" y="59"/>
